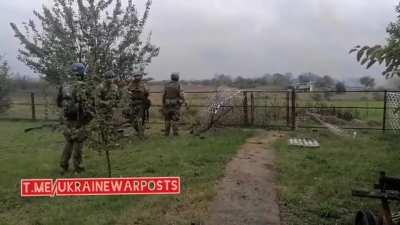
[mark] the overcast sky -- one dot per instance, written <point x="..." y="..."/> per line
<point x="200" y="38"/>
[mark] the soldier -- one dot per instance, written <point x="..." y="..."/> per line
<point x="107" y="99"/>
<point x="137" y="93"/>
<point x="74" y="99"/>
<point x="172" y="100"/>
<point x="146" y="116"/>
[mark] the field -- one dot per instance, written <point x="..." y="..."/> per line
<point x="199" y="162"/>
<point x="315" y="184"/>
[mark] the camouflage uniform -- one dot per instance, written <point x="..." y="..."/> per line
<point x="138" y="93"/>
<point x="172" y="100"/>
<point x="107" y="99"/>
<point x="74" y="99"/>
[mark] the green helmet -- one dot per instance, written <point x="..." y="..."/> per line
<point x="175" y="76"/>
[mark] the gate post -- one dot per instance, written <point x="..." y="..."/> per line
<point x="245" y="109"/>
<point x="293" y="109"/>
<point x="384" y="111"/>
<point x="288" y="108"/>
<point x="33" y="106"/>
<point x="252" y="108"/>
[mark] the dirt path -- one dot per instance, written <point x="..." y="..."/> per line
<point x="247" y="194"/>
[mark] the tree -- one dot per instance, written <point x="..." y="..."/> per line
<point x="222" y="80"/>
<point x="281" y="80"/>
<point x="367" y="81"/>
<point x="307" y="77"/>
<point x="340" y="87"/>
<point x="5" y="85"/>
<point x="326" y="82"/>
<point x="388" y="54"/>
<point x="98" y="33"/>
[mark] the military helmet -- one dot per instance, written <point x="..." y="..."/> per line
<point x="78" y="68"/>
<point x="175" y="76"/>
<point x="109" y="74"/>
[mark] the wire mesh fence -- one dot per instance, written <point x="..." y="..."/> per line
<point x="258" y="108"/>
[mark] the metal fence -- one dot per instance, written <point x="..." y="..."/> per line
<point x="257" y="108"/>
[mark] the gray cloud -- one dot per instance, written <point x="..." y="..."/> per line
<point x="202" y="37"/>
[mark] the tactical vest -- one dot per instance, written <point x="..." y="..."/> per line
<point x="137" y="90"/>
<point x="172" y="90"/>
<point x="72" y="97"/>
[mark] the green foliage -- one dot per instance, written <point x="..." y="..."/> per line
<point x="316" y="184"/>
<point x="5" y="85"/>
<point x="98" y="33"/>
<point x="199" y="162"/>
<point x="387" y="55"/>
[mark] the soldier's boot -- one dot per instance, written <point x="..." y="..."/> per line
<point x="167" y="127"/>
<point x="175" y="128"/>
<point x="77" y="157"/>
<point x="66" y="155"/>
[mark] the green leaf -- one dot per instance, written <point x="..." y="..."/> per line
<point x="372" y="62"/>
<point x="364" y="60"/>
<point x="353" y="50"/>
<point x="359" y="55"/>
<point x="361" y="52"/>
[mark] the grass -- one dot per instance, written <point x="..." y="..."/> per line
<point x="315" y="184"/>
<point x="199" y="162"/>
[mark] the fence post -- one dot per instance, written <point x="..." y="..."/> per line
<point x="384" y="111"/>
<point x="245" y="109"/>
<point x="288" y="108"/>
<point x="293" y="109"/>
<point x="33" y="106"/>
<point x="252" y="108"/>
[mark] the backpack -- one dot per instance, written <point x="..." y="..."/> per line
<point x="69" y="102"/>
<point x="172" y="90"/>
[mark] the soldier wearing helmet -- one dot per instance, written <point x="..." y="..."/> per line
<point x="107" y="94"/>
<point x="73" y="98"/>
<point x="137" y="93"/>
<point x="106" y="101"/>
<point x="172" y="100"/>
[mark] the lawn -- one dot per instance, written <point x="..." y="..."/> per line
<point x="199" y="162"/>
<point x="315" y="184"/>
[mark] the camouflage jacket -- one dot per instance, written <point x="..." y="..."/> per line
<point x="74" y="98"/>
<point x="107" y="96"/>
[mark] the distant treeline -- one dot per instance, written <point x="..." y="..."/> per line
<point x="18" y="82"/>
<point x="279" y="80"/>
